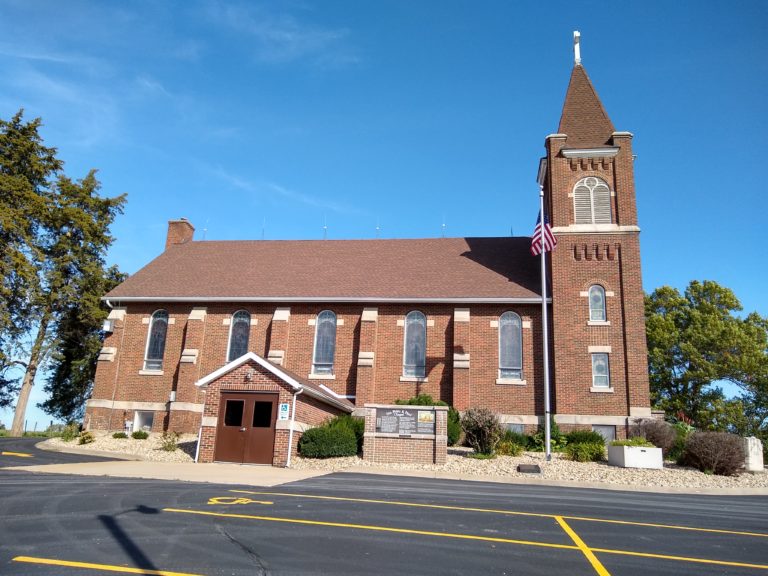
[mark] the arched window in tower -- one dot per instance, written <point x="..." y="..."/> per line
<point x="239" y="331"/>
<point x="415" y="345"/>
<point x="597" y="303"/>
<point x="325" y="343"/>
<point x="592" y="201"/>
<point x="158" y="327"/>
<point x="510" y="346"/>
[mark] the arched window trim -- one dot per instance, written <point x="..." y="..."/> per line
<point x="597" y="313"/>
<point x="417" y="367"/>
<point x="592" y="201"/>
<point x="324" y="365"/>
<point x="155" y="332"/>
<point x="236" y="318"/>
<point x="513" y="372"/>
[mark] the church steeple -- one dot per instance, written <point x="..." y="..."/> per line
<point x="584" y="119"/>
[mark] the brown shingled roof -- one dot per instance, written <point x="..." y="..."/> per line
<point x="584" y="119"/>
<point x="353" y="270"/>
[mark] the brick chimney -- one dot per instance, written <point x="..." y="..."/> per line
<point x="179" y="232"/>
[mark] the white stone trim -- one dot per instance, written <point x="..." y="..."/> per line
<point x="640" y="412"/>
<point x="227" y="321"/>
<point x="189" y="355"/>
<point x="171" y="321"/>
<point x="312" y="322"/>
<point x="589" y="419"/>
<point x="198" y="314"/>
<point x="430" y="323"/>
<point x="607" y="152"/>
<point x="117" y="314"/>
<point x="339" y="321"/>
<point x="276" y="356"/>
<point x="187" y="407"/>
<point x="126" y="405"/>
<point x="519" y="419"/>
<point x="494" y="323"/>
<point x="321" y="377"/>
<point x="281" y="315"/>
<point x="370" y="315"/>
<point x="365" y="358"/>
<point x="511" y="381"/>
<point x="339" y="299"/>
<point x="526" y="323"/>
<point x="151" y="372"/>
<point x="460" y="360"/>
<point x="145" y="320"/>
<point x="610" y="293"/>
<point x="623" y="133"/>
<point x="254" y="321"/>
<point x="107" y="354"/>
<point x="595" y="229"/>
<point x="461" y="315"/>
<point x="401" y="322"/>
<point x="599" y="349"/>
<point x="601" y="389"/>
<point x="584" y="294"/>
<point x="210" y="421"/>
<point x="598" y="322"/>
<point x="413" y="379"/>
<point x="297" y="426"/>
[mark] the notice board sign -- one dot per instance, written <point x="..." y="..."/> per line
<point x="405" y="421"/>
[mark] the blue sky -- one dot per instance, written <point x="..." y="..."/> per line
<point x="274" y="119"/>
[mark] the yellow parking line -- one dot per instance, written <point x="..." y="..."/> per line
<point x="375" y="528"/>
<point x="680" y="558"/>
<point x="507" y="512"/>
<point x="19" y="454"/>
<point x="599" y="568"/>
<point x="104" y="567"/>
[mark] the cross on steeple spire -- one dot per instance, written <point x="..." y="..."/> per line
<point x="576" y="48"/>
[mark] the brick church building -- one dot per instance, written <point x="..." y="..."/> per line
<point x="249" y="343"/>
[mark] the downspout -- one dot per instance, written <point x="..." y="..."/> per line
<point x="199" y="436"/>
<point x="290" y="431"/>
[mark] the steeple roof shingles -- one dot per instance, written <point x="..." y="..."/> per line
<point x="584" y="119"/>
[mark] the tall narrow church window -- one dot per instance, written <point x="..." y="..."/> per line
<point x="239" y="331"/>
<point x="597" y="303"/>
<point x="325" y="343"/>
<point x="601" y="374"/>
<point x="510" y="346"/>
<point x="415" y="345"/>
<point x="592" y="201"/>
<point x="158" y="327"/>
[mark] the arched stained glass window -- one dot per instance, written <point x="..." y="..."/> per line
<point x="592" y="201"/>
<point x="158" y="327"/>
<point x="597" y="303"/>
<point x="239" y="332"/>
<point x="415" y="345"/>
<point x="510" y="346"/>
<point x="325" y="343"/>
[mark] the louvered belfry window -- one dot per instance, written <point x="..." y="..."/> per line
<point x="325" y="343"/>
<point x="592" y="201"/>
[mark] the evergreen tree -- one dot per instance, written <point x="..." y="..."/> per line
<point x="54" y="233"/>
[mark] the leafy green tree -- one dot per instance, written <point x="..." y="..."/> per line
<point x="54" y="233"/>
<point x="696" y="340"/>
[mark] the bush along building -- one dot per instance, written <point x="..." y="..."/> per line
<point x="250" y="343"/>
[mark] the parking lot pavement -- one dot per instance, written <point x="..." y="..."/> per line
<point x="350" y="524"/>
<point x="24" y="452"/>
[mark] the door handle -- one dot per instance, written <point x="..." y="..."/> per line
<point x="243" y="429"/>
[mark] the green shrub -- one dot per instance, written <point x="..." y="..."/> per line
<point x="658" y="432"/>
<point x="140" y="435"/>
<point x="586" y="451"/>
<point x="70" y="432"/>
<point x="479" y="456"/>
<point x="634" y="441"/>
<point x="86" y="438"/>
<point x="557" y="442"/>
<point x="454" y="418"/>
<point x="169" y="441"/>
<point x="508" y="448"/>
<point x="119" y="435"/>
<point x="522" y="440"/>
<point x="682" y="431"/>
<point x="356" y="425"/>
<point x="328" y="442"/>
<point x="482" y="429"/>
<point x="584" y="437"/>
<point x="714" y="453"/>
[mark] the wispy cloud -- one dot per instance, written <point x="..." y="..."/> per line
<point x="278" y="192"/>
<point x="152" y="86"/>
<point x="282" y="38"/>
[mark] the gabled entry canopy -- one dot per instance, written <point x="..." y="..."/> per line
<point x="294" y="381"/>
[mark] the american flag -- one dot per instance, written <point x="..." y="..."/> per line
<point x="549" y="239"/>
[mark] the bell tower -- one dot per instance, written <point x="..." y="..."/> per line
<point x="598" y="323"/>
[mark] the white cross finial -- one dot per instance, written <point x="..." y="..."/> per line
<point x="576" y="48"/>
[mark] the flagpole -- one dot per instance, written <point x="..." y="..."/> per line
<point x="545" y="328"/>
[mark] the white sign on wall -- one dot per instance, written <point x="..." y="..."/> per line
<point x="282" y="413"/>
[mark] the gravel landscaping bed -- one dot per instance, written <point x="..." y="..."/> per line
<point x="558" y="469"/>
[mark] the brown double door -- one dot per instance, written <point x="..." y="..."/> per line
<point x="246" y="428"/>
